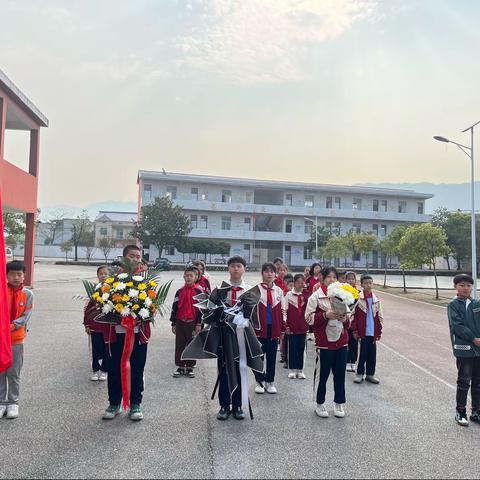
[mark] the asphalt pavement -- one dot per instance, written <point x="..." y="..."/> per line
<point x="402" y="428"/>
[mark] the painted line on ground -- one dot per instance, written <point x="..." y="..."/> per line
<point x="381" y="292"/>
<point x="424" y="370"/>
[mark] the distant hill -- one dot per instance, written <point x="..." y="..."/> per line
<point x="70" y="211"/>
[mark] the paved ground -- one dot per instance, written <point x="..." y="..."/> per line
<point x="402" y="428"/>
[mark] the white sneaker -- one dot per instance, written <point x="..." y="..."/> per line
<point x="322" y="411"/>
<point x="259" y="388"/>
<point x="270" y="388"/>
<point x="338" y="410"/>
<point x="102" y="376"/>
<point x="12" y="412"/>
<point x="301" y="375"/>
<point x="95" y="377"/>
<point x="3" y="409"/>
<point x="292" y="374"/>
<point x="358" y="379"/>
<point x="350" y="367"/>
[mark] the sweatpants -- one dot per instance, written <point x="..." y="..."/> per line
<point x="468" y="379"/>
<point x="332" y="361"/>
<point x="269" y="348"/>
<point x="183" y="336"/>
<point x="137" y="365"/>
<point x="10" y="379"/>
<point x="296" y="350"/>
<point x="99" y="352"/>
<point x="224" y="397"/>
<point x="352" y="348"/>
<point x="368" y="356"/>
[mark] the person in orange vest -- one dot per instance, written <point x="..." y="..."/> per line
<point x="20" y="304"/>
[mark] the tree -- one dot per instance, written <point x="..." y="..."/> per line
<point x="106" y="244"/>
<point x="390" y="248"/>
<point x="334" y="248"/>
<point x="66" y="247"/>
<point x="161" y="224"/>
<point x="323" y="235"/>
<point x="366" y="242"/>
<point x="53" y="225"/>
<point x="13" y="229"/>
<point x="352" y="245"/>
<point x="423" y="244"/>
<point x="89" y="245"/>
<point x="81" y="229"/>
<point x="458" y="229"/>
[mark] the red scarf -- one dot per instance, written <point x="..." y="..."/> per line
<point x="234" y="294"/>
<point x="15" y="301"/>
<point x="299" y="301"/>
<point x="186" y="302"/>
<point x="324" y="289"/>
<point x="269" y="293"/>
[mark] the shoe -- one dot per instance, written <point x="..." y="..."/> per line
<point x="190" y="373"/>
<point x="358" y="379"/>
<point x="224" y="413"/>
<point x="310" y="337"/>
<point x="270" y="388"/>
<point x="461" y="418"/>
<point x="259" y="388"/>
<point x="372" y="379"/>
<point x="475" y="416"/>
<point x="350" y="367"/>
<point x="338" y="410"/>
<point x="285" y="365"/>
<point x="238" y="413"/>
<point x="292" y="374"/>
<point x="3" y="409"/>
<point x="102" y="377"/>
<point x="178" y="372"/>
<point x="111" y="412"/>
<point x="282" y="360"/>
<point x="12" y="412"/>
<point x="301" y="375"/>
<point x="322" y="411"/>
<point x="135" y="413"/>
<point x="94" y="377"/>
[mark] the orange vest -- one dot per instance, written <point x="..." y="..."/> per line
<point x="18" y="334"/>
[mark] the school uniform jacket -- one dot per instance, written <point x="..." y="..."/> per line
<point x="177" y="314"/>
<point x="359" y="323"/>
<point x="235" y="292"/>
<point x="278" y="323"/>
<point x="294" y="305"/>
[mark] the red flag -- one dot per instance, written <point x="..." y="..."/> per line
<point x="5" y="341"/>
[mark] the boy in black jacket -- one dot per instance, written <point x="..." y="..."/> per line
<point x="464" y="323"/>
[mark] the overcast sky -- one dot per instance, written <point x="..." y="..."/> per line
<point x="334" y="91"/>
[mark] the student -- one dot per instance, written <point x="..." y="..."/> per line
<point x="232" y="405"/>
<point x="306" y="274"/>
<point x="331" y="353"/>
<point x="464" y="323"/>
<point x="288" y="282"/>
<point x="295" y="304"/>
<point x="315" y="276"/>
<point x="133" y="254"/>
<point x="20" y="304"/>
<point x="282" y="270"/>
<point x="186" y="320"/>
<point x="351" y="279"/>
<point x="95" y="330"/>
<point x="367" y="327"/>
<point x="203" y="281"/>
<point x="342" y="277"/>
<point x="272" y="325"/>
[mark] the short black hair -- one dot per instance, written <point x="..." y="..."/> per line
<point x="101" y="267"/>
<point x="299" y="276"/>
<point x="128" y="248"/>
<point x="269" y="266"/>
<point x="462" y="278"/>
<point x="326" y="271"/>
<point x="365" y="276"/>
<point x="312" y="268"/>
<point x="350" y="274"/>
<point x="236" y="259"/>
<point x="192" y="268"/>
<point x="277" y="260"/>
<point x="288" y="278"/>
<point x="16" y="266"/>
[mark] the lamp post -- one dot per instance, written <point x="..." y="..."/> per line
<point x="316" y="230"/>
<point x="469" y="151"/>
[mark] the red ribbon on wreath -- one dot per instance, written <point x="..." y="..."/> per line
<point x="128" y="323"/>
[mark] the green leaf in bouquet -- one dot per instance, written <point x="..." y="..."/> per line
<point x="89" y="287"/>
<point x="162" y="293"/>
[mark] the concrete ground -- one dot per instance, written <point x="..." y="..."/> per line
<point x="402" y="428"/>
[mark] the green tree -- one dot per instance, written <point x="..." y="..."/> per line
<point x="66" y="247"/>
<point x="366" y="242"/>
<point x="323" y="235"/>
<point x="13" y="229"/>
<point x="458" y="230"/>
<point x="105" y="244"/>
<point x="89" y="245"/>
<point x="423" y="244"/>
<point x="81" y="230"/>
<point x="390" y="248"/>
<point x="335" y="247"/>
<point x="161" y="224"/>
<point x="352" y="245"/>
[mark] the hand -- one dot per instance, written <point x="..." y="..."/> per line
<point x="198" y="329"/>
<point x="476" y="341"/>
<point x="87" y="330"/>
<point x="173" y="329"/>
<point x="355" y="336"/>
<point x="287" y="330"/>
<point x="331" y="315"/>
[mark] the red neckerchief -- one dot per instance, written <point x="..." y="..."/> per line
<point x="186" y="301"/>
<point x="269" y="293"/>
<point x="368" y="295"/>
<point x="299" y="300"/>
<point x="324" y="289"/>
<point x="234" y="294"/>
<point x="15" y="301"/>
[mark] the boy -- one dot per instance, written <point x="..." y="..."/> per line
<point x="367" y="327"/>
<point x="236" y="268"/>
<point x="20" y="304"/>
<point x="342" y="277"/>
<point x="186" y="320"/>
<point x="351" y="279"/>
<point x="95" y="330"/>
<point x="203" y="281"/>
<point x="272" y="325"/>
<point x="133" y="254"/>
<point x="464" y="324"/>
<point x="294" y="311"/>
<point x="289" y="282"/>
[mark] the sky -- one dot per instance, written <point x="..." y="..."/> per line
<point x="332" y="91"/>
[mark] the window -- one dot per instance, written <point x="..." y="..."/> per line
<point x="248" y="223"/>
<point x="194" y="221"/>
<point x="338" y="203"/>
<point x="246" y="247"/>
<point x="336" y="228"/>
<point x="248" y="197"/>
<point x="205" y="196"/>
<point x="420" y="208"/>
<point x="288" y="254"/>
<point x="375" y="229"/>
<point x="194" y="194"/>
<point x="119" y="233"/>
<point x="288" y="226"/>
<point x="288" y="199"/>
<point x="383" y="230"/>
<point x="308" y="227"/>
<point x="226" y="223"/>
<point x="309" y="201"/>
<point x="307" y="253"/>
<point x="172" y="192"/>
<point x="357" y="204"/>
<point x="375" y="205"/>
<point x="103" y="231"/>
<point x="383" y="204"/>
<point x="226" y="196"/>
<point x="356" y="257"/>
<point x="147" y="191"/>
<point x="203" y="222"/>
<point x="169" y="250"/>
<point x="357" y="227"/>
<point x="329" y="203"/>
<point x="402" y="206"/>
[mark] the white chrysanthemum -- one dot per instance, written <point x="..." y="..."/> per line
<point x="125" y="312"/>
<point x="105" y="297"/>
<point x="98" y="286"/>
<point x="122" y="276"/>
<point x="132" y="293"/>
<point x="107" y="308"/>
<point x="144" y="313"/>
<point x="148" y="302"/>
<point x="120" y="287"/>
<point x="335" y="290"/>
<point x="138" y="278"/>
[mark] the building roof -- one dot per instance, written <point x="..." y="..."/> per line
<point x="106" y="216"/>
<point x="22" y="99"/>
<point x="279" y="184"/>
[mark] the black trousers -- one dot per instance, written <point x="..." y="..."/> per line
<point x="269" y="348"/>
<point x="224" y="397"/>
<point x="368" y="356"/>
<point x="334" y="361"/>
<point x="137" y="364"/>
<point x="468" y="379"/>
<point x="99" y="352"/>
<point x="352" y="348"/>
<point x="296" y="350"/>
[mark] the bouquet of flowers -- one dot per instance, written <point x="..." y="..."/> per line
<point x="343" y="298"/>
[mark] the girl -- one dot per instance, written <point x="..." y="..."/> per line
<point x="315" y="277"/>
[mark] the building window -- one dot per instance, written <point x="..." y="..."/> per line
<point x="338" y="203"/>
<point x="308" y="227"/>
<point x="194" y="194"/>
<point x="288" y="199"/>
<point x="402" y="206"/>
<point x="205" y="196"/>
<point x="375" y="229"/>
<point x="357" y="227"/>
<point x="329" y="203"/>
<point x="169" y="250"/>
<point x="309" y="201"/>
<point x="147" y="191"/>
<point x="307" y="253"/>
<point x="420" y="208"/>
<point x="246" y="247"/>
<point x="119" y="233"/>
<point x="288" y="226"/>
<point x="383" y="204"/>
<point x="357" y="204"/>
<point x="383" y="230"/>
<point x="103" y="231"/>
<point x="356" y="257"/>
<point x="248" y="223"/>
<point x="172" y="193"/>
<point x="328" y="226"/>
<point x="375" y="205"/>
<point x="226" y="223"/>
<point x="288" y="254"/>
<point x="248" y="197"/>
<point x="194" y="221"/>
<point x="226" y="196"/>
<point x="336" y="228"/>
<point x="203" y="222"/>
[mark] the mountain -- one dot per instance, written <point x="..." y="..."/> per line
<point x="70" y="211"/>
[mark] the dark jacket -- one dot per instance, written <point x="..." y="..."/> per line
<point x="174" y="313"/>
<point x="464" y="326"/>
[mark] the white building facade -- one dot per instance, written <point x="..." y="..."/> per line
<point x="263" y="219"/>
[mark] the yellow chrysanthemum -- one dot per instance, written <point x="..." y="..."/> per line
<point x="135" y="307"/>
<point x="109" y="280"/>
<point x="142" y="286"/>
<point x="115" y="284"/>
<point x="125" y="298"/>
<point x="118" y="307"/>
<point x="96" y="295"/>
<point x="352" y="290"/>
<point x="129" y="284"/>
<point x="142" y="296"/>
<point x="152" y="283"/>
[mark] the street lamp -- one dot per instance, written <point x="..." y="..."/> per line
<point x="470" y="153"/>
<point x="316" y="230"/>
